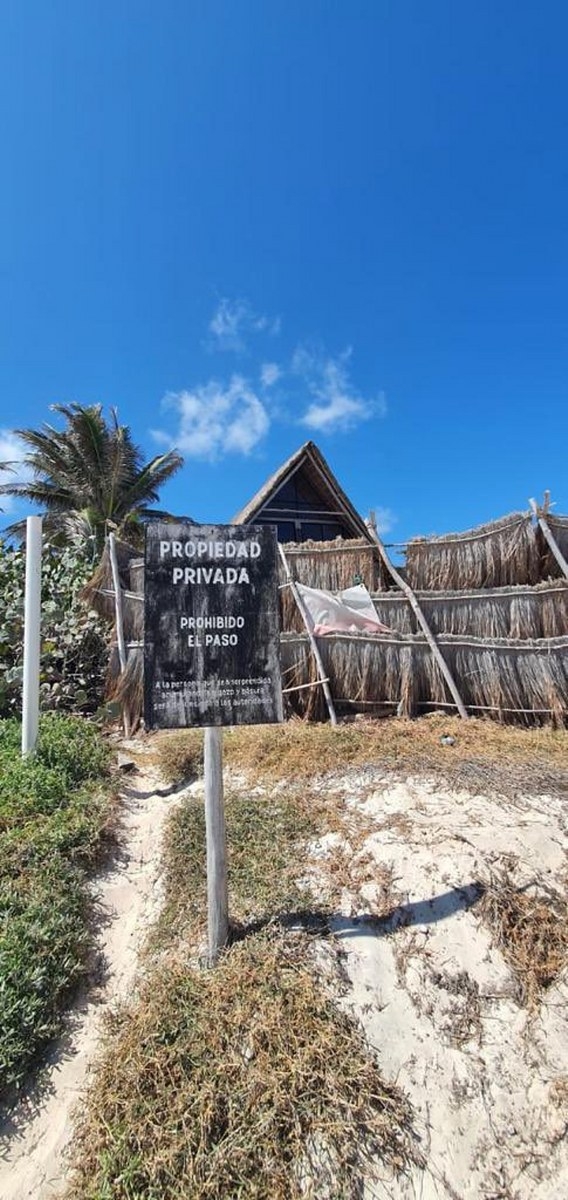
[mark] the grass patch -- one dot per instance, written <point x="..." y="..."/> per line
<point x="269" y="864"/>
<point x="244" y="1081"/>
<point x="531" y="931"/>
<point x="266" y="841"/>
<point x="54" y="810"/>
<point x="485" y="755"/>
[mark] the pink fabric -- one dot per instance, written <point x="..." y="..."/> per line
<point x="349" y="611"/>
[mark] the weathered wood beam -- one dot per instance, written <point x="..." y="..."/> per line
<point x="323" y="679"/>
<point x="548" y="534"/>
<point x="405" y="587"/>
<point x="217" y="888"/>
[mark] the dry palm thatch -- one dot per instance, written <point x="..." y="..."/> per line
<point x="364" y="671"/>
<point x="99" y="591"/>
<point x="512" y="612"/>
<point x="127" y="688"/>
<point x="525" y="681"/>
<point x="498" y="554"/>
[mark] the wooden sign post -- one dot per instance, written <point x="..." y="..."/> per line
<point x="211" y="656"/>
<point x="217" y="889"/>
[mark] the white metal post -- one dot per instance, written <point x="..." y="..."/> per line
<point x="217" y="892"/>
<point x="32" y="636"/>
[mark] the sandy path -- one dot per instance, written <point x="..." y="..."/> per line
<point x="34" y="1137"/>
<point x="488" y="1085"/>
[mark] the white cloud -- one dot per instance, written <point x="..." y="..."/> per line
<point x="270" y="373"/>
<point x="385" y="519"/>
<point x="215" y="420"/>
<point x="233" y="320"/>
<point x="12" y="450"/>
<point x="336" y="404"/>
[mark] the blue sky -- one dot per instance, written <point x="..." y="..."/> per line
<point x="250" y="222"/>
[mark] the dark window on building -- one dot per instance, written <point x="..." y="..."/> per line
<point x="300" y="514"/>
<point x="286" y="531"/>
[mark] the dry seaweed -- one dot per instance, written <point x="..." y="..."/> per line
<point x="531" y="930"/>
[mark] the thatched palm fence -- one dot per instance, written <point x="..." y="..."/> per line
<point x="497" y="554"/>
<point x="522" y="681"/>
<point x="509" y="612"/>
<point x="492" y="598"/>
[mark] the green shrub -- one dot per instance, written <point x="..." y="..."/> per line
<point x="74" y="648"/>
<point x="27" y="789"/>
<point x="54" y="808"/>
<point x="72" y="745"/>
<point x="43" y="941"/>
<point x="10" y="738"/>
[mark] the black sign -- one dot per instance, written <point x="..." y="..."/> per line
<point x="211" y="636"/>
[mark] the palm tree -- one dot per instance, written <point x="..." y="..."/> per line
<point x="5" y="469"/>
<point x="90" y="477"/>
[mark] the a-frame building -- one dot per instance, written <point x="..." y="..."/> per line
<point x="304" y="500"/>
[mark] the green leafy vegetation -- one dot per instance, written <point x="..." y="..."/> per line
<point x="74" y="647"/>
<point x="55" y="809"/>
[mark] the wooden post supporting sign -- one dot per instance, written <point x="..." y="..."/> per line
<point x="211" y="657"/>
<point x="217" y="888"/>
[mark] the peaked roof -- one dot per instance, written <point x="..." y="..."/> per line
<point x="310" y="460"/>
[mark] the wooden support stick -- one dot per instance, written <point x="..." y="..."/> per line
<point x="217" y="891"/>
<point x="323" y="679"/>
<point x="301" y="687"/>
<point x="119" y="615"/>
<point x="401" y="583"/>
<point x="549" y="536"/>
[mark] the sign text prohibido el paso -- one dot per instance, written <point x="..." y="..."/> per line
<point x="211" y="637"/>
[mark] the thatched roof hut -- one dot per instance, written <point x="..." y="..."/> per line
<point x="305" y="501"/>
<point x="495" y="609"/>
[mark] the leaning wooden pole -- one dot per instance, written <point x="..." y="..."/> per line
<point x="550" y="538"/>
<point x="323" y="679"/>
<point x="405" y="587"/>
